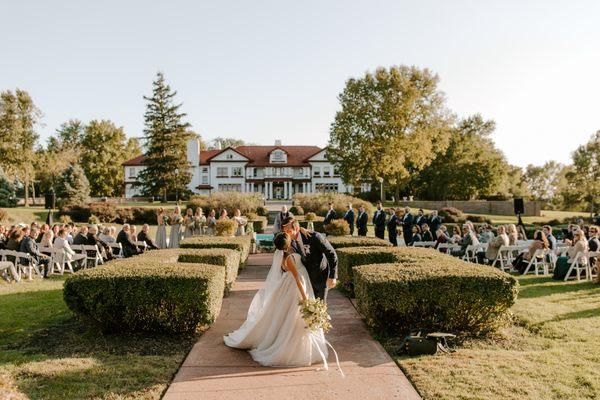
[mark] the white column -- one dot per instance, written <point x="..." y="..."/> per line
<point x="270" y="190"/>
<point x="285" y="190"/>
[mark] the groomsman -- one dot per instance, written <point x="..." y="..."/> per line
<point x="435" y="221"/>
<point x="349" y="218"/>
<point x="420" y="218"/>
<point x="331" y="215"/>
<point x="361" y="221"/>
<point x="379" y="221"/>
<point x="407" y="225"/>
<point x="392" y="226"/>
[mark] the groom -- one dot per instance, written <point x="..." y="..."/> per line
<point x="318" y="256"/>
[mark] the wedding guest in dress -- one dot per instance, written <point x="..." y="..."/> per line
<point x="442" y="237"/>
<point x="133" y="233"/>
<point x="48" y="239"/>
<point x="349" y="217"/>
<point x="145" y="237"/>
<point x="426" y="234"/>
<point x="105" y="236"/>
<point x="283" y="214"/>
<point x="361" y="221"/>
<point x="223" y="215"/>
<point x="513" y="236"/>
<point x="407" y="224"/>
<point x="392" y="227"/>
<point x="162" y="220"/>
<point x="415" y="235"/>
<point x="494" y="246"/>
<point x="199" y="222"/>
<point x="240" y="223"/>
<point x="539" y="243"/>
<point x="176" y="221"/>
<point x="14" y="240"/>
<point x="128" y="246"/>
<point x="579" y="245"/>
<point x="43" y="229"/>
<point x="330" y="215"/>
<point x="379" y="221"/>
<point x="189" y="223"/>
<point x="211" y="223"/>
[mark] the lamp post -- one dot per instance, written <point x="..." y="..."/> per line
<point x="177" y="185"/>
<point x="382" y="196"/>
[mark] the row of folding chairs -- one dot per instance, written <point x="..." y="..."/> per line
<point x="15" y="264"/>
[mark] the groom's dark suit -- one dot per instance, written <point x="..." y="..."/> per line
<point x="315" y="247"/>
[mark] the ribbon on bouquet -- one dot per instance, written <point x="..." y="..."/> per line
<point x="317" y="342"/>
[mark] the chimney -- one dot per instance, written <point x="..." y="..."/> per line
<point x="277" y="142"/>
<point x="193" y="152"/>
<point x="218" y="145"/>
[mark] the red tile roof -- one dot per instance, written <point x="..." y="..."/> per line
<point x="139" y="160"/>
<point x="206" y="154"/>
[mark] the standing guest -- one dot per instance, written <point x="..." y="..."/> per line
<point x="420" y="218"/>
<point x="283" y="214"/>
<point x="199" y="222"/>
<point x="188" y="223"/>
<point x="426" y="234"/>
<point x="176" y="221"/>
<point x="407" y="224"/>
<point x="415" y="235"/>
<point x="133" y="233"/>
<point x="162" y="220"/>
<point x="330" y="215"/>
<point x="494" y="246"/>
<point x="145" y="237"/>
<point x="379" y="221"/>
<point x="547" y="229"/>
<point x="435" y="221"/>
<point x="361" y="221"/>
<point x="539" y="243"/>
<point x="211" y="222"/>
<point x="129" y="248"/>
<point x="223" y="215"/>
<point x="29" y="245"/>
<point x="513" y="236"/>
<point x="14" y="240"/>
<point x="48" y="239"/>
<point x="349" y="217"/>
<point x="81" y="237"/>
<point x="61" y="242"/>
<point x="240" y="223"/>
<point x="392" y="226"/>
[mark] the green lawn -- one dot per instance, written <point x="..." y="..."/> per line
<point x="45" y="353"/>
<point x="551" y="351"/>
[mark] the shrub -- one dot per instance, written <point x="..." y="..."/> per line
<point x="317" y="225"/>
<point x="225" y="227"/>
<point x="124" y="216"/>
<point x="339" y="242"/>
<point x="350" y="257"/>
<point x="444" y="294"/>
<point x="478" y="219"/>
<point x="252" y="216"/>
<point x="451" y="214"/>
<point x="297" y="210"/>
<point x="65" y="219"/>
<point x="311" y="216"/>
<point x="258" y="224"/>
<point x="318" y="202"/>
<point x="106" y="212"/>
<point x="338" y="227"/>
<point x="239" y="243"/>
<point x="262" y="211"/>
<point x="125" y="296"/>
<point x="93" y="220"/>
<point x="246" y="202"/>
<point x="143" y="215"/>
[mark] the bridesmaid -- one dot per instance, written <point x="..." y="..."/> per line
<point x="161" y="233"/>
<point x="211" y="223"/>
<point x="223" y="214"/>
<point x="189" y="223"/>
<point x="176" y="221"/>
<point x="240" y="223"/>
<point x="199" y="222"/>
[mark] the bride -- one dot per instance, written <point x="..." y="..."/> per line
<point x="274" y="331"/>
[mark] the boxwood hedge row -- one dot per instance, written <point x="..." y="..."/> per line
<point x="140" y="295"/>
<point x="356" y="241"/>
<point x="239" y="243"/>
<point x="443" y="294"/>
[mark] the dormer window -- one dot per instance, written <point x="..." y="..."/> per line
<point x="278" y="156"/>
<point x="229" y="156"/>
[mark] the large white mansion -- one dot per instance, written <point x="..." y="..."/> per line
<point x="278" y="172"/>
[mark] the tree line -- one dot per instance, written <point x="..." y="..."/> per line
<point x="394" y="125"/>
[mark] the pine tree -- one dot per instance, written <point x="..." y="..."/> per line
<point x="73" y="186"/>
<point x="7" y="191"/>
<point x="165" y="136"/>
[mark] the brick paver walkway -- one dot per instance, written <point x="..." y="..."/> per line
<point x="214" y="371"/>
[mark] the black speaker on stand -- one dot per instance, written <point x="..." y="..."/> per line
<point x="50" y="204"/>
<point x="519" y="207"/>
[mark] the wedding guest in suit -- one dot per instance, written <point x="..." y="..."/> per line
<point x="127" y="244"/>
<point x="106" y="236"/>
<point x="29" y="245"/>
<point x="434" y="221"/>
<point x="392" y="227"/>
<point x="145" y="237"/>
<point x="426" y="235"/>
<point x="469" y="238"/>
<point x="331" y="215"/>
<point x="283" y="214"/>
<point x="407" y="224"/>
<point x="361" y="221"/>
<point x="420" y="219"/>
<point x="593" y="242"/>
<point x="379" y="221"/>
<point x="547" y="229"/>
<point x="349" y="217"/>
<point x="81" y="237"/>
<point x="94" y="240"/>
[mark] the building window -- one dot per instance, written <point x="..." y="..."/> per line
<point x="205" y="170"/>
<point x="326" y="187"/>
<point x="132" y="172"/>
<point x="316" y="171"/>
<point x="229" y="156"/>
<point x="205" y="179"/>
<point x="336" y="172"/>
<point x="223" y="172"/>
<point x="228" y="187"/>
<point x="255" y="172"/>
<point x="326" y="172"/>
<point x="236" y="171"/>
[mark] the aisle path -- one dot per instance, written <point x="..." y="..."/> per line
<point x="214" y="371"/>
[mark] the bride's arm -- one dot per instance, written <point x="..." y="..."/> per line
<point x="291" y="268"/>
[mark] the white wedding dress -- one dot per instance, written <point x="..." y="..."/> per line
<point x="274" y="332"/>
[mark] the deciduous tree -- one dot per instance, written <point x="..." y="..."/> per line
<point x="584" y="175"/>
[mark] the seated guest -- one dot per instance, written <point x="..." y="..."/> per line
<point x="487" y="234"/>
<point x="426" y="236"/>
<point x="522" y="233"/>
<point x="469" y="238"/>
<point x="512" y="234"/>
<point x="81" y="237"/>
<point x="29" y="245"/>
<point x="3" y="237"/>
<point x="578" y="245"/>
<point x="145" y="237"/>
<point x="55" y="229"/>
<point x="14" y="240"/>
<point x="43" y="229"/>
<point x="441" y="237"/>
<point x="539" y="243"/>
<point x="133" y="233"/>
<point x="456" y="236"/>
<point x="415" y="235"/>
<point x="361" y="221"/>
<point x="61" y="242"/>
<point x="94" y="240"/>
<point x="48" y="239"/>
<point x="128" y="246"/>
<point x="547" y="229"/>
<point x="493" y="246"/>
<point x="105" y="236"/>
<point x="223" y="215"/>
<point x="593" y="242"/>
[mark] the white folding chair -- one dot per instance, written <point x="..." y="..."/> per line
<point x="471" y="253"/>
<point x="538" y="261"/>
<point x="92" y="255"/>
<point x="424" y="244"/>
<point x="141" y="245"/>
<point x="117" y="249"/>
<point x="592" y="258"/>
<point x="504" y="258"/>
<point x="59" y="260"/>
<point x="7" y="269"/>
<point x="580" y="265"/>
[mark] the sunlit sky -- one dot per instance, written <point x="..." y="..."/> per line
<point x="266" y="70"/>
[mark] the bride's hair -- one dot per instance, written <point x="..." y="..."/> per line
<point x="282" y="241"/>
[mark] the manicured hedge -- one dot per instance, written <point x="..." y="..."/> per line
<point x="131" y="296"/>
<point x="356" y="241"/>
<point x="239" y="243"/>
<point x="259" y="224"/>
<point x="350" y="257"/>
<point x="443" y="294"/>
<point x="317" y="225"/>
<point x="229" y="259"/>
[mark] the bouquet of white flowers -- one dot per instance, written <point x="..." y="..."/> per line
<point x="177" y="219"/>
<point x="315" y="315"/>
<point x="165" y="219"/>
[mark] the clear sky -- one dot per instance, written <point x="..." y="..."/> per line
<point x="266" y="70"/>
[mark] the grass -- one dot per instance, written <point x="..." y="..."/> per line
<point x="551" y="351"/>
<point x="46" y="353"/>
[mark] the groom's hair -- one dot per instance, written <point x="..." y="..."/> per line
<point x="287" y="220"/>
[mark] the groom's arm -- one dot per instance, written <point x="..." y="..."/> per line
<point x="329" y="252"/>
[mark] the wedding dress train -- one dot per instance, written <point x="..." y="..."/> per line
<point x="274" y="332"/>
